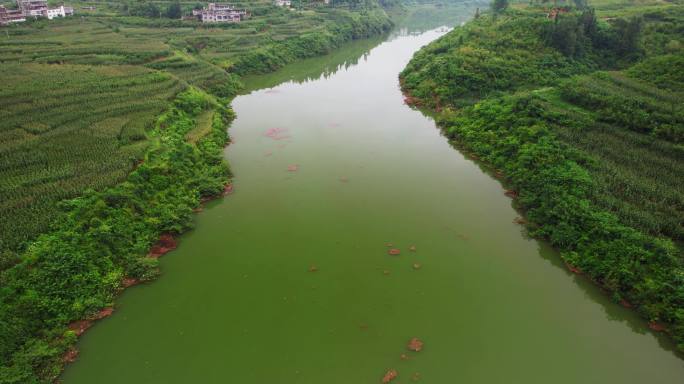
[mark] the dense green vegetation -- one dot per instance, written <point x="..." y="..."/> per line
<point x="582" y="114"/>
<point x="70" y="128"/>
<point x="102" y="237"/>
<point x="83" y="91"/>
<point x="92" y="175"/>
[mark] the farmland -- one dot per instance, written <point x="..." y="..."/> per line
<point x="70" y="128"/>
<point x="79" y="94"/>
<point x="113" y="125"/>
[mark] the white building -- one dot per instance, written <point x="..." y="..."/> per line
<point x="39" y="8"/>
<point x="62" y="11"/>
<point x="283" y="3"/>
<point x="220" y="13"/>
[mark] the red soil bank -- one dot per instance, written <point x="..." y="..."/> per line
<point x="165" y="245"/>
<point x="656" y="326"/>
<point x="573" y="269"/>
<point x="129" y="282"/>
<point x="70" y="355"/>
<point x="81" y="326"/>
<point x="511" y="193"/>
<point x="410" y="100"/>
<point x="520" y="220"/>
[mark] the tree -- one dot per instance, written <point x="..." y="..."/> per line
<point x="499" y="5"/>
<point x="174" y="11"/>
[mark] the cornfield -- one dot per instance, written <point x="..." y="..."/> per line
<point x="68" y="128"/>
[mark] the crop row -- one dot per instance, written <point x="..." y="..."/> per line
<point x="70" y="128"/>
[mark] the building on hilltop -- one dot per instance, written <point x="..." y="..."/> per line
<point x="283" y="3"/>
<point x="220" y="13"/>
<point x="32" y="8"/>
<point x="35" y="8"/>
<point x="8" y="16"/>
<point x="62" y="11"/>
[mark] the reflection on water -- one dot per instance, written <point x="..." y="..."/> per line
<point x="415" y="21"/>
<point x="315" y="68"/>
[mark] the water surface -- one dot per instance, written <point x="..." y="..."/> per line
<point x="238" y="304"/>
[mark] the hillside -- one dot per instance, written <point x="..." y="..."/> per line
<point x="580" y="115"/>
<point x="82" y="92"/>
<point x="113" y="125"/>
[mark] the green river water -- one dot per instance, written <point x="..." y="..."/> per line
<point x="237" y="303"/>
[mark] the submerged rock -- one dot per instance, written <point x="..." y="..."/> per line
<point x="415" y="345"/>
<point x="412" y="248"/>
<point x="390" y="375"/>
<point x="293" y="167"/>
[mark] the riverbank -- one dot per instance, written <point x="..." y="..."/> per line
<point x="237" y="299"/>
<point x="64" y="89"/>
<point x="98" y="243"/>
<point x="592" y="158"/>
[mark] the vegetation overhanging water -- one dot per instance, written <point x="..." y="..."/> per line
<point x="289" y="279"/>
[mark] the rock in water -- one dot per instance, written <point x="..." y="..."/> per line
<point x="394" y="251"/>
<point x="390" y="375"/>
<point x="415" y="345"/>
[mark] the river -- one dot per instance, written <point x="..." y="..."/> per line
<point x="289" y="280"/>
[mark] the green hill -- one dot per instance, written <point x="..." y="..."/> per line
<point x="579" y="110"/>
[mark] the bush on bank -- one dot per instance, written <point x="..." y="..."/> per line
<point x="349" y="26"/>
<point x="507" y="89"/>
<point x="102" y="237"/>
<point x="512" y="134"/>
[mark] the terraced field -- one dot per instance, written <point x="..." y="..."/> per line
<point x="67" y="128"/>
<point x="78" y="93"/>
<point x="633" y="132"/>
